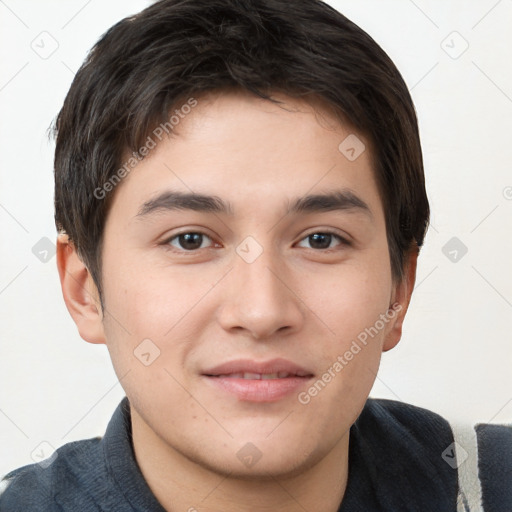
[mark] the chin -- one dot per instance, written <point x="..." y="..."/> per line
<point x="259" y="461"/>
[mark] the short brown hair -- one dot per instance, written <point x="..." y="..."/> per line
<point x="146" y="65"/>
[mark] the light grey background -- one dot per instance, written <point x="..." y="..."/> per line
<point x="456" y="353"/>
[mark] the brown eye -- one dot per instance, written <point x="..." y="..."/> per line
<point x="322" y="241"/>
<point x="190" y="241"/>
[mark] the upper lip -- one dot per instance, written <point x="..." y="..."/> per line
<point x="261" y="367"/>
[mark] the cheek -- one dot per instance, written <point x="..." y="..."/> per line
<point x="352" y="311"/>
<point x="350" y="299"/>
<point x="352" y="308"/>
<point x="151" y="298"/>
<point x="144" y="302"/>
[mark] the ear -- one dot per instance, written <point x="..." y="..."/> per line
<point x="80" y="293"/>
<point x="400" y="300"/>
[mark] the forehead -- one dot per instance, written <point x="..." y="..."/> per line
<point x="259" y="120"/>
<point x="238" y="147"/>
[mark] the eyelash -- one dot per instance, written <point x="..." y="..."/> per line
<point x="342" y="241"/>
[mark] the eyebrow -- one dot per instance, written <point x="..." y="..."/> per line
<point x="337" y="200"/>
<point x="171" y="200"/>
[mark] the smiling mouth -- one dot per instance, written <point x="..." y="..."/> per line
<point x="252" y="381"/>
<point x="260" y="376"/>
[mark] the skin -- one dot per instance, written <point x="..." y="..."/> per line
<point x="206" y="306"/>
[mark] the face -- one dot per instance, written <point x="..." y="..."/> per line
<point x="247" y="286"/>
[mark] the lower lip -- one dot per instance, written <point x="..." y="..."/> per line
<point x="264" y="390"/>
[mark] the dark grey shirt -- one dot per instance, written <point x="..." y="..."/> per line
<point x="395" y="464"/>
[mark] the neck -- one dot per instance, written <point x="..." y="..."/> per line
<point x="179" y="483"/>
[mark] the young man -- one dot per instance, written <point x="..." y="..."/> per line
<point x="240" y="199"/>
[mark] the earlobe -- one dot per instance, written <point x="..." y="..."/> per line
<point x="402" y="297"/>
<point x="79" y="291"/>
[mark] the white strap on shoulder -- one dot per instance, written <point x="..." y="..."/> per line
<point x="469" y="498"/>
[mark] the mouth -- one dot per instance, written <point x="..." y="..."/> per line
<point x="259" y="376"/>
<point x="253" y="381"/>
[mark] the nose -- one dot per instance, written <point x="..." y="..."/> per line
<point x="259" y="299"/>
